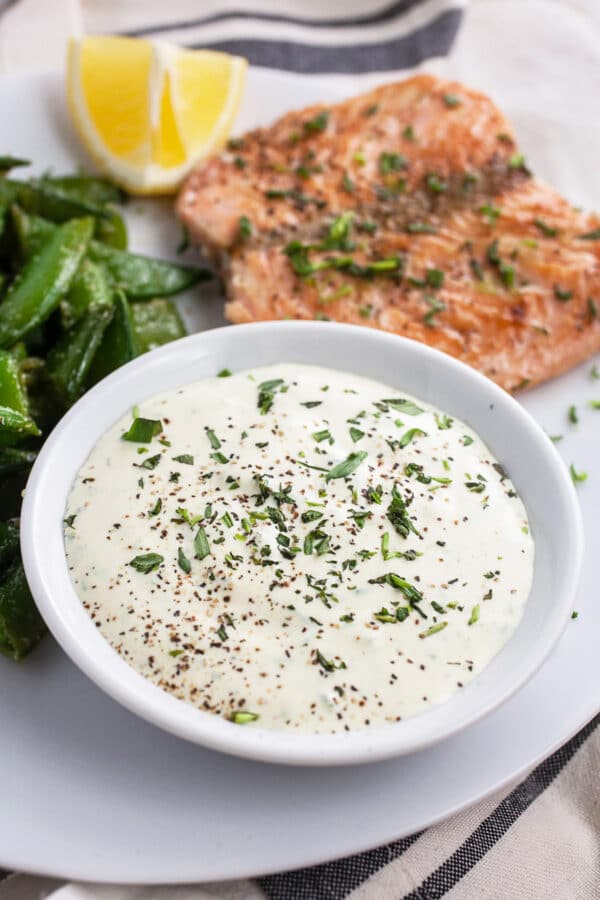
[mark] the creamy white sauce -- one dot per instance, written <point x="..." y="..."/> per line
<point x="280" y="619"/>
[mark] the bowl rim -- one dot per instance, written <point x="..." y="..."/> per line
<point x="54" y="591"/>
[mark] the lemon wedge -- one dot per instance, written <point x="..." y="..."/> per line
<point x="148" y="110"/>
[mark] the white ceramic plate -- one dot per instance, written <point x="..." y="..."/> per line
<point x="514" y="438"/>
<point x="96" y="793"/>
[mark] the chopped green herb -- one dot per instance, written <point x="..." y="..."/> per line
<point x="69" y="520"/>
<point x="266" y="394"/>
<point x="451" y="100"/>
<point x="151" y="462"/>
<point x="474" y="617"/>
<point x="347" y="184"/>
<point x="141" y="431"/>
<point x="547" y="230"/>
<point x="156" y="508"/>
<point x="435" y="184"/>
<point x="561" y="294"/>
<point x="242" y="717"/>
<point x="183" y="562"/>
<point x="577" y="477"/>
<point x="433" y="629"/>
<point x="348" y="466"/>
<point x="146" y="562"/>
<point x="201" y="545"/>
<point x="420" y="228"/>
<point x="392" y="162"/>
<point x="356" y="434"/>
<point x="572" y="415"/>
<point x="410" y="435"/>
<point x="224" y="373"/>
<point x="434" y="278"/>
<point x="443" y="421"/>
<point x="397" y="514"/>
<point x="185" y="459"/>
<point x="317" y="124"/>
<point x="590" y="235"/>
<point x="324" y="435"/>
<point x="476" y="487"/>
<point x="245" y="227"/>
<point x="409" y="133"/>
<point x="574" y="614"/>
<point x="327" y="664"/>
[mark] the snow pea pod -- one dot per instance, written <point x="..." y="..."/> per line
<point x="43" y="199"/>
<point x="118" y="342"/>
<point x="38" y="289"/>
<point x="69" y="361"/>
<point x="15" y="425"/>
<point x="87" y="188"/>
<point x="11" y="388"/>
<point x="9" y="542"/>
<point x="21" y="626"/>
<point x="140" y="277"/>
<point x="90" y="287"/>
<point x="156" y="322"/>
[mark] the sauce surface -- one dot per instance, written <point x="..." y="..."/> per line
<point x="299" y="547"/>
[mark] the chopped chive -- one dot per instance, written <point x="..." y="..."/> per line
<point x="451" y="100"/>
<point x="474" y="617"/>
<point x="433" y="629"/>
<point x="141" y="431"/>
<point x="242" y="717"/>
<point x="577" y="477"/>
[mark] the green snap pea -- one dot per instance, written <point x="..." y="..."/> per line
<point x="11" y="162"/>
<point x="12" y="394"/>
<point x="156" y="322"/>
<point x="87" y="188"/>
<point x="140" y="277"/>
<point x="90" y="287"/>
<point x="9" y="542"/>
<point x="21" y="626"/>
<point x="38" y="289"/>
<point x="15" y="425"/>
<point x="70" y="360"/>
<point x="14" y="460"/>
<point x="118" y="342"/>
<point x="50" y="202"/>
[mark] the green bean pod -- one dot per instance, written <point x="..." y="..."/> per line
<point x="46" y="277"/>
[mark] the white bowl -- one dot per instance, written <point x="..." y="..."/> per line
<point x="516" y="440"/>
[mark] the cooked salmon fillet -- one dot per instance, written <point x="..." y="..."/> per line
<point x="408" y="209"/>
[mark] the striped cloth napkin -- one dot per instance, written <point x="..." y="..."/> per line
<point x="538" y="839"/>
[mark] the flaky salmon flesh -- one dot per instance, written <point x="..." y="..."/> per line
<point x="409" y="209"/>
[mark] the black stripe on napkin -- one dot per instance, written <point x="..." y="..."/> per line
<point x="387" y="14"/>
<point x="434" y="39"/>
<point x="334" y="880"/>
<point x="500" y="821"/>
